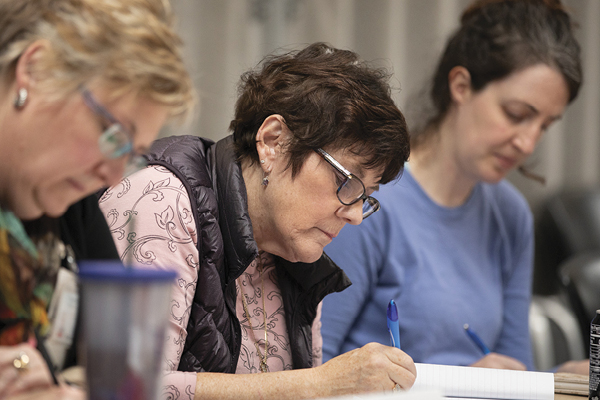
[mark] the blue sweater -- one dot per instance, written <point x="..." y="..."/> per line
<point x="444" y="267"/>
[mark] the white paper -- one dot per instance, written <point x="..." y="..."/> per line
<point x="485" y="383"/>
<point x="417" y="394"/>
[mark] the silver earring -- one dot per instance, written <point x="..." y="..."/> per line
<point x="265" y="180"/>
<point x="262" y="161"/>
<point x="21" y="98"/>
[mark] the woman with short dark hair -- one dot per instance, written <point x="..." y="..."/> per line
<point x="244" y="222"/>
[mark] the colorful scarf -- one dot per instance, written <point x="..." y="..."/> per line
<point x="25" y="284"/>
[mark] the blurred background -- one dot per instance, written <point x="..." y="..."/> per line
<point x="224" y="38"/>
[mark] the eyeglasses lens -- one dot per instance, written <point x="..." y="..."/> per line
<point x="134" y="164"/>
<point x="350" y="191"/>
<point x="369" y="207"/>
<point x="114" y="142"/>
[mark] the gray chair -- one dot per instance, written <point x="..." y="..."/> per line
<point x="580" y="276"/>
<point x="554" y="331"/>
<point x="568" y="224"/>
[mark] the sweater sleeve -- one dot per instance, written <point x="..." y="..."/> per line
<point x="150" y="218"/>
<point x="514" y="339"/>
<point x="357" y="251"/>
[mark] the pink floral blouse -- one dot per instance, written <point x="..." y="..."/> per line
<point x="150" y="217"/>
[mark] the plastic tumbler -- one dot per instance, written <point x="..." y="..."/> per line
<point x="124" y="314"/>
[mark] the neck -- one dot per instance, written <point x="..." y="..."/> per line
<point x="258" y="209"/>
<point x="435" y="166"/>
<point x="9" y="142"/>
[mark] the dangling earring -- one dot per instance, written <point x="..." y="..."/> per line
<point x="265" y="180"/>
<point x="21" y="98"/>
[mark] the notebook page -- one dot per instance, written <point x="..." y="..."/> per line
<point x="485" y="383"/>
<point x="400" y="395"/>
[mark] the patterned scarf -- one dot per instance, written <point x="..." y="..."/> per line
<point x="25" y="284"/>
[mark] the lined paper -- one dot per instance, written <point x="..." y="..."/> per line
<point x="400" y="395"/>
<point x="485" y="383"/>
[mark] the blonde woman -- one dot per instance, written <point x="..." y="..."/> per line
<point x="86" y="85"/>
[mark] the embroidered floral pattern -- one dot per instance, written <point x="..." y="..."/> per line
<point x="279" y="356"/>
<point x="150" y="217"/>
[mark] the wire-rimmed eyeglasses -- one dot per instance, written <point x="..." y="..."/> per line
<point x="351" y="189"/>
<point x="115" y="141"/>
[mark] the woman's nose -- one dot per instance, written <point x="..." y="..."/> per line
<point x="110" y="171"/>
<point x="526" y="141"/>
<point x="352" y="214"/>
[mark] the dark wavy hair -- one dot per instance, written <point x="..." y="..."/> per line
<point x="329" y="99"/>
<point x="499" y="37"/>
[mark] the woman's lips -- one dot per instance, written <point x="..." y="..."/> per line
<point x="330" y="235"/>
<point x="506" y="162"/>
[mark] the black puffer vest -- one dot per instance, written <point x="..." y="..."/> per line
<point x="226" y="248"/>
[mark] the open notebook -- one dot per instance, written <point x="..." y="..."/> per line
<point x="485" y="383"/>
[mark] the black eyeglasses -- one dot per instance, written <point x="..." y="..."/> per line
<point x="115" y="141"/>
<point x="351" y="189"/>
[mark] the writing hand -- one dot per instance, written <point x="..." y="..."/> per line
<point x="499" y="361"/>
<point x="581" y="367"/>
<point x="34" y="376"/>
<point x="373" y="367"/>
<point x="62" y="392"/>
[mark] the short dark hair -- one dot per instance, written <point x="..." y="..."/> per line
<point x="499" y="37"/>
<point x="328" y="99"/>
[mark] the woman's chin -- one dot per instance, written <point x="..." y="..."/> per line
<point x="24" y="209"/>
<point x="311" y="256"/>
<point x="55" y="209"/>
<point x="306" y="257"/>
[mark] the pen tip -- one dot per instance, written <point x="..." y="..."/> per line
<point x="392" y="311"/>
<point x="466" y="326"/>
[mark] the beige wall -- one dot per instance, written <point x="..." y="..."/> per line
<point x="226" y="37"/>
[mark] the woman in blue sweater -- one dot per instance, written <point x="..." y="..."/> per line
<point x="454" y="241"/>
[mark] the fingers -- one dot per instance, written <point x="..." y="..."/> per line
<point x="402" y="359"/>
<point x="55" y="393"/>
<point x="499" y="361"/>
<point x="403" y="371"/>
<point x="373" y="367"/>
<point x="581" y="367"/>
<point x="387" y="367"/>
<point x="22" y="368"/>
<point x="8" y="376"/>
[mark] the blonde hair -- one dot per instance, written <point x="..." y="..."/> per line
<point x="129" y="44"/>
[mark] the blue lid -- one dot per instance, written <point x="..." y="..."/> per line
<point x="114" y="270"/>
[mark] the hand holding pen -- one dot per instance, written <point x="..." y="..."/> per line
<point x="490" y="359"/>
<point x="476" y="339"/>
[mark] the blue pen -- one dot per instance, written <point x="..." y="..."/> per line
<point x="392" y="324"/>
<point x="476" y="339"/>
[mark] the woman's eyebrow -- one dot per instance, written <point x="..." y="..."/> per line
<point x="360" y="173"/>
<point x="374" y="188"/>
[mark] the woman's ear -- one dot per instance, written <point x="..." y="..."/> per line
<point x="459" y="84"/>
<point x="269" y="139"/>
<point x="25" y="75"/>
